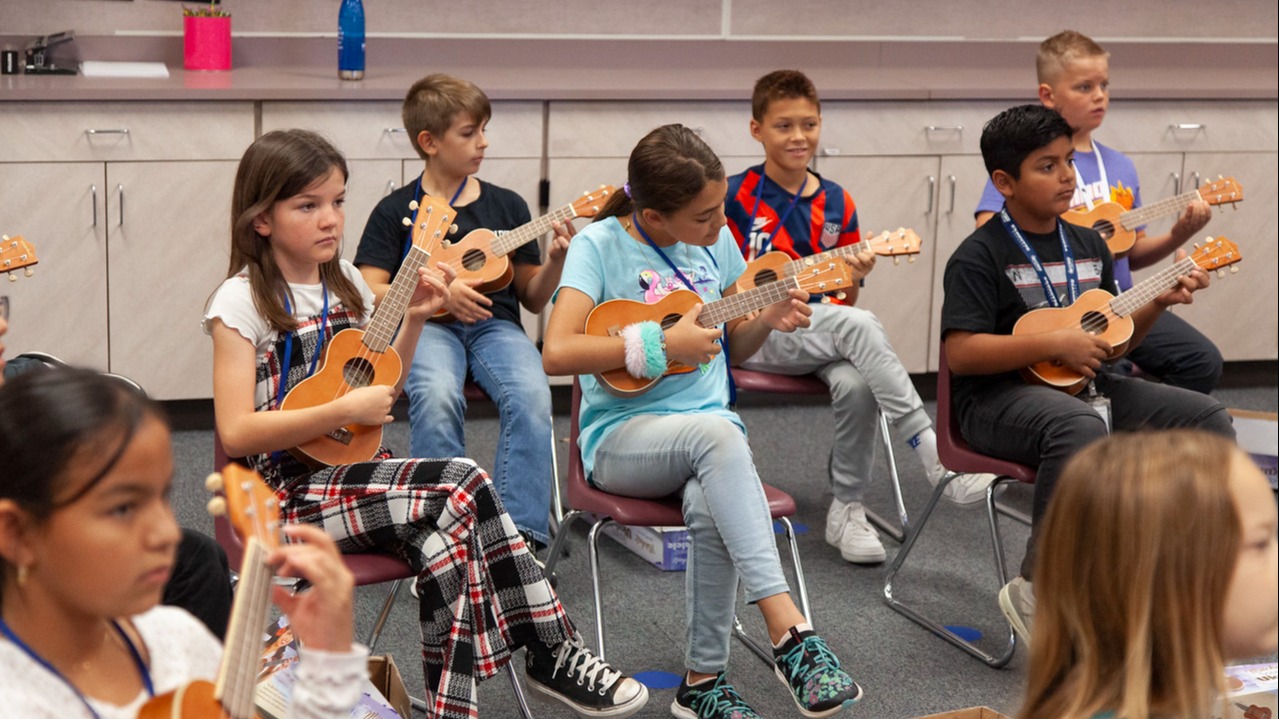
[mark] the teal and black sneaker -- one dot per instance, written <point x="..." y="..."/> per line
<point x="710" y="699"/>
<point x="811" y="671"/>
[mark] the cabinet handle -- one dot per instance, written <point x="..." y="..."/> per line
<point x="831" y="152"/>
<point x="1188" y="126"/>
<point x="115" y="131"/>
<point x="951" y="179"/>
<point x="932" y="189"/>
<point x="1196" y="176"/>
<point x="396" y="130"/>
<point x="390" y="187"/>
<point x="1176" y="183"/>
<point x="120" y="190"/>
<point x="93" y="199"/>
<point x="943" y="128"/>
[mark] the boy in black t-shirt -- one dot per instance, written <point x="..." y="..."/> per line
<point x="446" y="119"/>
<point x="994" y="278"/>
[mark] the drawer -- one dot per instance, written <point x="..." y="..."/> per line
<point x="55" y="131"/>
<point x="611" y="129"/>
<point x="905" y="128"/>
<point x="374" y="130"/>
<point x="1191" y="126"/>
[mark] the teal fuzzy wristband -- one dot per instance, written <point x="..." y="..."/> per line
<point x="654" y="340"/>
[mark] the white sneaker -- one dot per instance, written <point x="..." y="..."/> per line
<point x="965" y="490"/>
<point x="1017" y="601"/>
<point x="848" y="530"/>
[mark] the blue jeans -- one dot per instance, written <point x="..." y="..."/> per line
<point x="730" y="529"/>
<point x="504" y="362"/>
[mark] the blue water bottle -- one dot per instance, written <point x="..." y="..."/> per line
<point x="351" y="40"/>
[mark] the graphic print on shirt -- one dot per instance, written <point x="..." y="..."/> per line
<point x="1090" y="192"/>
<point x="1026" y="281"/>
<point x="653" y="286"/>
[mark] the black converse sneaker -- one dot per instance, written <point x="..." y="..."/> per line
<point x="712" y="698"/>
<point x="811" y="671"/>
<point x="571" y="673"/>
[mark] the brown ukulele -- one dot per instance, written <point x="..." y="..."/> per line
<point x="772" y="266"/>
<point x="16" y="254"/>
<point x="1117" y="226"/>
<point x="608" y="319"/>
<point x="482" y="254"/>
<point x="254" y="512"/>
<point x="1100" y="313"/>
<point x="357" y="358"/>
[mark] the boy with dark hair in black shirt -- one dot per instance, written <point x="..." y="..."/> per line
<point x="1023" y="259"/>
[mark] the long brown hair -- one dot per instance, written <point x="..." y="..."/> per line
<point x="667" y="169"/>
<point x="277" y="166"/>
<point x="1137" y="551"/>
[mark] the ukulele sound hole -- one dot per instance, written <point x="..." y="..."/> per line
<point x="763" y="277"/>
<point x="473" y="260"/>
<point x="669" y="321"/>
<point x="358" y="372"/>
<point x="1094" y="323"/>
<point x="1104" y="228"/>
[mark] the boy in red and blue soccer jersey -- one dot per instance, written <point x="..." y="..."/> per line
<point x="783" y="205"/>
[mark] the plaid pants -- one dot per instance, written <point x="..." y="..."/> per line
<point x="481" y="594"/>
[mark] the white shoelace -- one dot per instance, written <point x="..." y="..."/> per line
<point x="576" y="658"/>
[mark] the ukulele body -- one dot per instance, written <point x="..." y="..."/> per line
<point x="768" y="267"/>
<point x="474" y="259"/>
<point x="348" y="364"/>
<point x="1104" y="218"/>
<point x="193" y="701"/>
<point x="1091" y="307"/>
<point x="608" y="319"/>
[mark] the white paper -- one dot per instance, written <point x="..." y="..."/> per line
<point x="99" y="68"/>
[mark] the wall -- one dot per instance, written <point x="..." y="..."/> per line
<point x="1153" y="20"/>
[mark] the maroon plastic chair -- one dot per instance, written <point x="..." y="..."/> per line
<point x="601" y="508"/>
<point x="958" y="459"/>
<point x="755" y="381"/>
<point x="368" y="568"/>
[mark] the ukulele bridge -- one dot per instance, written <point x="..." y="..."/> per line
<point x="341" y="434"/>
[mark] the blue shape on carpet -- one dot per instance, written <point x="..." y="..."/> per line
<point x="968" y="634"/>
<point x="779" y="528"/>
<point x="657" y="680"/>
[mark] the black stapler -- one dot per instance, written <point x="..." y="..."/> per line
<point x="39" y="61"/>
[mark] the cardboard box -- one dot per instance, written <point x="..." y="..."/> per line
<point x="1258" y="435"/>
<point x="663" y="547"/>
<point x="971" y="713"/>
<point x="1253" y="690"/>
<point x="386" y="677"/>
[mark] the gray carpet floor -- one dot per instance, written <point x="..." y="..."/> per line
<point x="905" y="670"/>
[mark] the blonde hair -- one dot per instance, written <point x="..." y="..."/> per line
<point x="1135" y="558"/>
<point x="1060" y="50"/>
<point x="432" y="103"/>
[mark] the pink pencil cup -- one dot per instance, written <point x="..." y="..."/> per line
<point x="206" y="43"/>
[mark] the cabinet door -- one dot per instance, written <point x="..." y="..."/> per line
<point x="369" y="182"/>
<point x="960" y="184"/>
<point x="62" y="308"/>
<point x="1161" y="176"/>
<point x="892" y="192"/>
<point x="169" y="238"/>
<point x="1236" y="311"/>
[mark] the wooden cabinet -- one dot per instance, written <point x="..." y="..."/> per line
<point x="128" y="206"/>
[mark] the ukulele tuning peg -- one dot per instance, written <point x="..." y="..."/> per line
<point x="446" y="243"/>
<point x="13" y="277"/>
<point x="213" y="482"/>
<point x="452" y="229"/>
<point x="406" y="222"/>
<point x="910" y="260"/>
<point x="28" y="272"/>
<point x="841" y="295"/>
<point x="216" y="506"/>
<point x="897" y="260"/>
<point x="4" y="237"/>
<point x="413" y="205"/>
<point x="1234" y="269"/>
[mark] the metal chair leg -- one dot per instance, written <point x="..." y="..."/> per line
<point x="376" y="632"/>
<point x="557" y="502"/>
<point x="801" y="588"/>
<point x="898" y="533"/>
<point x="518" y="690"/>
<point x="937" y="628"/>
<point x="592" y="542"/>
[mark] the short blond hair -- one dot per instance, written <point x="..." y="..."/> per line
<point x="1060" y="50"/>
<point x="1135" y="558"/>
<point x="435" y="100"/>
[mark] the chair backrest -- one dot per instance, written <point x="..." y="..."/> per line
<point x="953" y="450"/>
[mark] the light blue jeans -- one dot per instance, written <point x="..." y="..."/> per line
<point x="504" y="362"/>
<point x="729" y="526"/>
<point x="849" y="350"/>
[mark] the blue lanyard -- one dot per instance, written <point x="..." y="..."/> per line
<point x="759" y="199"/>
<point x="287" y="360"/>
<point x="1068" y="259"/>
<point x="133" y="651"/>
<point x="417" y="197"/>
<point x="723" y="343"/>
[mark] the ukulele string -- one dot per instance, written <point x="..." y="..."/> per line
<point x="1097" y="320"/>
